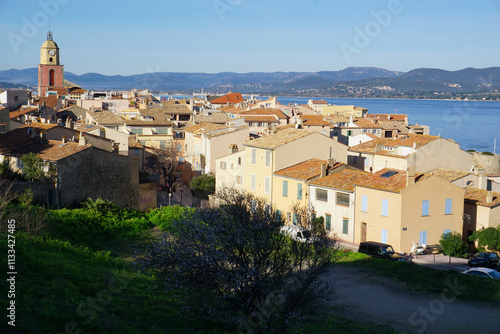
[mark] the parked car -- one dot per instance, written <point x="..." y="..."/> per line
<point x="297" y="233"/>
<point x="484" y="259"/>
<point x="482" y="272"/>
<point x="381" y="250"/>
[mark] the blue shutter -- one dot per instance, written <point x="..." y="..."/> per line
<point x="423" y="238"/>
<point x="285" y="188"/>
<point x="328" y="222"/>
<point x="425" y="207"/>
<point x="299" y="190"/>
<point x="446" y="231"/>
<point x="383" y="236"/>
<point x="447" y="206"/>
<point x="385" y="207"/>
<point x="364" y="203"/>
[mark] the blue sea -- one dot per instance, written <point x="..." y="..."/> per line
<point x="472" y="124"/>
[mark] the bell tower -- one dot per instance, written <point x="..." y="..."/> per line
<point x="50" y="71"/>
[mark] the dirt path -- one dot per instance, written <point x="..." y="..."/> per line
<point x="365" y="297"/>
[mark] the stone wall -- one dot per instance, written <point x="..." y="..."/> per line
<point x="148" y="196"/>
<point x="490" y="163"/>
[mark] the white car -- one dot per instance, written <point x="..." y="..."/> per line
<point x="482" y="272"/>
<point x="298" y="233"/>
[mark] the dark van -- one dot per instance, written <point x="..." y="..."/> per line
<point x="383" y="251"/>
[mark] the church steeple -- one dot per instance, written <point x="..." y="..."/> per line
<point x="50" y="71"/>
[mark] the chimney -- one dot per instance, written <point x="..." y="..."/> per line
<point x="331" y="162"/>
<point x="410" y="176"/>
<point x="489" y="197"/>
<point x="482" y="180"/>
<point x="64" y="140"/>
<point x="323" y="170"/>
<point x="83" y="140"/>
<point x="116" y="148"/>
<point x="233" y="148"/>
<point x="102" y="132"/>
<point x="43" y="136"/>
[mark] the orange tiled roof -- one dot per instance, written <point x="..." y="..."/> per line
<point x="389" y="117"/>
<point x="260" y="119"/>
<point x="479" y="196"/>
<point x="204" y="128"/>
<point x="449" y="175"/>
<point x="406" y="140"/>
<point x="394" y="183"/>
<point x="314" y="120"/>
<point x="304" y="170"/>
<point x="105" y="117"/>
<point x="134" y="143"/>
<point x="341" y="180"/>
<point x="279" y="138"/>
<point x="228" y="98"/>
<point x="42" y="126"/>
<point x="50" y="101"/>
<point x="18" y="112"/>
<point x="265" y="111"/>
<point x="366" y="124"/>
<point x="319" y="102"/>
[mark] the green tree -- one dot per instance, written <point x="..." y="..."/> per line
<point x="453" y="245"/>
<point x="36" y="169"/>
<point x="489" y="237"/>
<point x="204" y="183"/>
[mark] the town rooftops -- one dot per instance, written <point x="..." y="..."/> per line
<point x="343" y="180"/>
<point x="305" y="170"/>
<point x="22" y="111"/>
<point x="26" y="140"/>
<point x="480" y="197"/>
<point x="279" y="138"/>
<point x="366" y="123"/>
<point x="374" y="146"/>
<point x="264" y="111"/>
<point x="49" y="101"/>
<point x="261" y="119"/>
<point x="393" y="180"/>
<point x="389" y="117"/>
<point x="319" y="102"/>
<point x="231" y="98"/>
<point x="212" y="129"/>
<point x="213" y="118"/>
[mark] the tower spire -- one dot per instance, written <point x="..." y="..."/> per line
<point x="49" y="35"/>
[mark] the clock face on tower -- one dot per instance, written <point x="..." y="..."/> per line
<point x="52" y="52"/>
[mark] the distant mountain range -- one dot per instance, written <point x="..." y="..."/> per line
<point x="350" y="82"/>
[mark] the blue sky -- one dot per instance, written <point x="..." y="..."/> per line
<point x="131" y="37"/>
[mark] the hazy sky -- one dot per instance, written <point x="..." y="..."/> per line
<point x="130" y="37"/>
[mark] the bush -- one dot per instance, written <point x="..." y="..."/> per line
<point x="489" y="237"/>
<point x="453" y="245"/>
<point x="165" y="216"/>
<point x="488" y="153"/>
<point x="204" y="183"/>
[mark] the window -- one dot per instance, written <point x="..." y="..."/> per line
<point x="268" y="158"/>
<point x="425" y="207"/>
<point x="278" y="215"/>
<point x="285" y="188"/>
<point x="136" y="151"/>
<point x="253" y="181"/>
<point x="239" y="160"/>
<point x="342" y="199"/>
<point x="423" y="238"/>
<point x="321" y="195"/>
<point x="447" y="206"/>
<point x="295" y="219"/>
<point x="385" y="207"/>
<point x="299" y="190"/>
<point x="267" y="185"/>
<point x="364" y="203"/>
<point x="328" y="222"/>
<point x="383" y="236"/>
<point x="162" y="144"/>
<point x="345" y="226"/>
<point x="355" y="159"/>
<point x="239" y="179"/>
<point x="349" y="133"/>
<point x="254" y="156"/>
<point x="181" y="160"/>
<point x="51" y="77"/>
<point x="136" y="131"/>
<point x="161" y="131"/>
<point x="446" y="231"/>
<point x="179" y="148"/>
<point x="222" y="165"/>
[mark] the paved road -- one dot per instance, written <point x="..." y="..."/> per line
<point x="365" y="297"/>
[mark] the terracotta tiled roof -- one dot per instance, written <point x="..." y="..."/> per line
<point x="86" y="127"/>
<point x="479" y="196"/>
<point x="319" y="102"/>
<point x="279" y="138"/>
<point x="50" y="101"/>
<point x="305" y="170"/>
<point x="449" y="175"/>
<point x="366" y="124"/>
<point x="231" y="109"/>
<point x="19" y="142"/>
<point x="406" y="140"/>
<point x="314" y="120"/>
<point x="395" y="183"/>
<point x="228" y="98"/>
<point x="77" y="90"/>
<point x="389" y="117"/>
<point x="42" y="126"/>
<point x="103" y="117"/>
<point x="18" y="112"/>
<point x="265" y="111"/>
<point x="341" y="180"/>
<point x="134" y="143"/>
<point x="261" y="119"/>
<point x="204" y="128"/>
<point x="213" y="118"/>
<point x="181" y="109"/>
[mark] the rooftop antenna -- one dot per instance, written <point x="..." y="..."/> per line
<point x="49" y="35"/>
